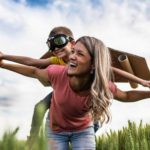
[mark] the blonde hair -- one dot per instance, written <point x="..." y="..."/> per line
<point x="100" y="92"/>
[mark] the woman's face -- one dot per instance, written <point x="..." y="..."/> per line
<point x="79" y="61"/>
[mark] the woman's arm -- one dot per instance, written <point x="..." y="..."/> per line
<point x="26" y="60"/>
<point x="131" y="96"/>
<point x="29" y="71"/>
<point x="131" y="77"/>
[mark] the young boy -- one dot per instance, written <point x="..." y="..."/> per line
<point x="60" y="42"/>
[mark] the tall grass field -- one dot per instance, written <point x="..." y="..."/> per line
<point x="132" y="137"/>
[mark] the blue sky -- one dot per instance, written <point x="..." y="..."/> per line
<point x="24" y="28"/>
<point x="45" y="2"/>
<point x="35" y="2"/>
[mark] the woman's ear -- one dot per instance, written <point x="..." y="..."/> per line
<point x="92" y="69"/>
<point x="92" y="66"/>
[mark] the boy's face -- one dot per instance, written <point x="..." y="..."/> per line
<point x="60" y="45"/>
<point x="63" y="52"/>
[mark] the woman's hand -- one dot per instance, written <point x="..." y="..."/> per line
<point x="1" y="55"/>
<point x="1" y="58"/>
<point x="0" y="62"/>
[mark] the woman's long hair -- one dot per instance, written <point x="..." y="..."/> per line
<point x="100" y="91"/>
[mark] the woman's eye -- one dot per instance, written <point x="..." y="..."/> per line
<point x="80" y="54"/>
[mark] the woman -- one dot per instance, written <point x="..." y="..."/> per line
<point x="82" y="93"/>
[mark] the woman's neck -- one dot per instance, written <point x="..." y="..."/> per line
<point x="79" y="84"/>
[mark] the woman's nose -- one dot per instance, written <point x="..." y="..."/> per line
<point x="72" y="56"/>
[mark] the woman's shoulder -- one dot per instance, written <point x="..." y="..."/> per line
<point x="56" y="73"/>
<point x="56" y="69"/>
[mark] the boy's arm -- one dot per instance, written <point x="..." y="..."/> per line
<point x="29" y="71"/>
<point x="131" y="77"/>
<point x="47" y="55"/>
<point x="26" y="60"/>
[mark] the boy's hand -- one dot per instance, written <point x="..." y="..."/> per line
<point x="146" y="83"/>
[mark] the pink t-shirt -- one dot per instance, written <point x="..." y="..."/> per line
<point x="69" y="111"/>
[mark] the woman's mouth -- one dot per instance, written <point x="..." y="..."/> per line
<point x="73" y="65"/>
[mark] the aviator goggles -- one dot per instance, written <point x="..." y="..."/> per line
<point x="58" y="41"/>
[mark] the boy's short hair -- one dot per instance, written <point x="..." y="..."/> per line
<point x="61" y="30"/>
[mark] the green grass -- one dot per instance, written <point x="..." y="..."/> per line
<point x="10" y="142"/>
<point x="132" y="137"/>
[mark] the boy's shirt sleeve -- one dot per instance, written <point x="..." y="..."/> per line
<point x="56" y="60"/>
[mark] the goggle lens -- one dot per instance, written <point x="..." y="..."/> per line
<point x="60" y="40"/>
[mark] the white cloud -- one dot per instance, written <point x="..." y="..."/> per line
<point x="24" y="30"/>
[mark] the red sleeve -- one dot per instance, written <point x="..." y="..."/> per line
<point x="54" y="73"/>
<point x="112" y="87"/>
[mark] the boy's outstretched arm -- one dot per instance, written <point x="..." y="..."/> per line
<point x="131" y="77"/>
<point x="26" y="60"/>
<point x="29" y="71"/>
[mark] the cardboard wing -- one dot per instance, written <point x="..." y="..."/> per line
<point x="126" y="61"/>
<point x="131" y="63"/>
